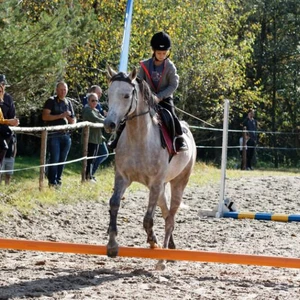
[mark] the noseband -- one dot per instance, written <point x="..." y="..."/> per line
<point x="122" y="77"/>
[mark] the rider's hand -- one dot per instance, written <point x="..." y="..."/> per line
<point x="156" y="99"/>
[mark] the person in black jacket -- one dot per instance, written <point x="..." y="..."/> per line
<point x="251" y="125"/>
<point x="7" y="117"/>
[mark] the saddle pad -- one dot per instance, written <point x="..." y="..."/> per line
<point x="167" y="138"/>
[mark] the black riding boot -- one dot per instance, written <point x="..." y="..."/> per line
<point x="113" y="144"/>
<point x="180" y="144"/>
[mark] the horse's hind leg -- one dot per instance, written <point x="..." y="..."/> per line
<point x="119" y="189"/>
<point x="177" y="189"/>
<point x="162" y="203"/>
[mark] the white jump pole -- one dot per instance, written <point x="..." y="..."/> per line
<point x="219" y="213"/>
<point x="218" y="210"/>
<point x="126" y="37"/>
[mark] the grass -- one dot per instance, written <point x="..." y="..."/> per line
<point x="24" y="195"/>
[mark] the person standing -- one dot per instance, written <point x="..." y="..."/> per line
<point x="102" y="154"/>
<point x="7" y="117"/>
<point x="58" y="110"/>
<point x="95" y="89"/>
<point x="91" y="113"/>
<point x="251" y="125"/>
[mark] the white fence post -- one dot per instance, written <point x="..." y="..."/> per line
<point x="219" y="213"/>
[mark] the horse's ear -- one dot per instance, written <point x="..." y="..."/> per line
<point x="133" y="74"/>
<point x="110" y="72"/>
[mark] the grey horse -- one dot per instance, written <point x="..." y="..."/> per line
<point x="140" y="157"/>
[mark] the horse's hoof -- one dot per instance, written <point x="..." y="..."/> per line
<point x="160" y="266"/>
<point x="112" y="251"/>
<point x="153" y="245"/>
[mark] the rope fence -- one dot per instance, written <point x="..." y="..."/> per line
<point x="44" y="131"/>
<point x="43" y="153"/>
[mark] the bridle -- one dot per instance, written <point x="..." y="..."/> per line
<point x="121" y="77"/>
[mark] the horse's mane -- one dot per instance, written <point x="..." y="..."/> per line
<point x="146" y="91"/>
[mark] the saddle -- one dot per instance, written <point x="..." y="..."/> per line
<point x="167" y="130"/>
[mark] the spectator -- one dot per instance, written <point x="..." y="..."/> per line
<point x="58" y="110"/>
<point x="7" y="118"/>
<point x="95" y="89"/>
<point x="9" y="161"/>
<point x="91" y="113"/>
<point x="251" y="125"/>
<point x="102" y="154"/>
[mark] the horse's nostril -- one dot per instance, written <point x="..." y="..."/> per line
<point x="109" y="126"/>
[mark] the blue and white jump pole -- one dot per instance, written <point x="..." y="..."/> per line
<point x="126" y="37"/>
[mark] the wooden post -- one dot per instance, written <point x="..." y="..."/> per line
<point x="44" y="136"/>
<point x="86" y="133"/>
<point x="244" y="149"/>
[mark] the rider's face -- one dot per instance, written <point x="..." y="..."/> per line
<point x="161" y="55"/>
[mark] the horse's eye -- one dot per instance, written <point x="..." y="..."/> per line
<point x="126" y="96"/>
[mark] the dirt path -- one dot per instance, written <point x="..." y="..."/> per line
<point x="38" y="275"/>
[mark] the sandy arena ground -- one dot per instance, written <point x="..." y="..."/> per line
<point x="38" y="275"/>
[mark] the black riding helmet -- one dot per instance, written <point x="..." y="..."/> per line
<point x="161" y="41"/>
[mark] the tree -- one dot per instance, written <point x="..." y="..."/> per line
<point x="277" y="61"/>
<point x="36" y="43"/>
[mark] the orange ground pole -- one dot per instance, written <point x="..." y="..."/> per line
<point x="188" y="255"/>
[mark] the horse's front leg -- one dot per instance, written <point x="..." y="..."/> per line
<point x="162" y="203"/>
<point x="155" y="193"/>
<point x="114" y="203"/>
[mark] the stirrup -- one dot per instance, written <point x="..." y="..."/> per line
<point x="180" y="144"/>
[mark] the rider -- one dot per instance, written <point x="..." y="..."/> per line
<point x="161" y="75"/>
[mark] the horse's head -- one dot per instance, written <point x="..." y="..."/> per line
<point x="121" y="98"/>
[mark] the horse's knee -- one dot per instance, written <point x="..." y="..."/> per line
<point x="115" y="202"/>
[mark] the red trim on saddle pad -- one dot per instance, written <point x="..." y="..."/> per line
<point x="168" y="140"/>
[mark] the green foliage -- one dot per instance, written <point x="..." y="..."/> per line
<point x="211" y="50"/>
<point x="37" y="43"/>
<point x="277" y="64"/>
<point x="243" y="50"/>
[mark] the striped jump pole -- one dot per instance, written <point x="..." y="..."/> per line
<point x="262" y="216"/>
<point x="165" y="254"/>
